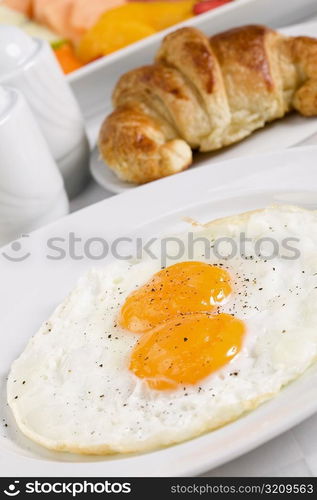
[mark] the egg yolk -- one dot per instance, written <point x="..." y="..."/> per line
<point x="185" y="287"/>
<point x="186" y="349"/>
<point x="184" y="338"/>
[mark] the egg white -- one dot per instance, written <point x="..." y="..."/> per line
<point x="71" y="388"/>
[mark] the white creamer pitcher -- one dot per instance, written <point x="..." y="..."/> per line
<point x="31" y="187"/>
<point x="29" y="65"/>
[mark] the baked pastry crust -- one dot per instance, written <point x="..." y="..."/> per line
<point x="205" y="94"/>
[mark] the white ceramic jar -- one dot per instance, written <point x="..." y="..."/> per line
<point x="31" y="187"/>
<point x="29" y="65"/>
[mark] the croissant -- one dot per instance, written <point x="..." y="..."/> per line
<point x="205" y="93"/>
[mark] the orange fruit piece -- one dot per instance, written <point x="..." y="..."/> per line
<point x="119" y="27"/>
<point x="107" y="37"/>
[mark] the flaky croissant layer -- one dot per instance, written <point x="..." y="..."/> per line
<point x="205" y="94"/>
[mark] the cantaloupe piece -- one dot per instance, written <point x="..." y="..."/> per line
<point x="56" y="14"/>
<point x="87" y="12"/>
<point x="39" y="8"/>
<point x="24" y="6"/>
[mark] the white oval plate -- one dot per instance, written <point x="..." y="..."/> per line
<point x="104" y="176"/>
<point x="31" y="288"/>
<point x="284" y="133"/>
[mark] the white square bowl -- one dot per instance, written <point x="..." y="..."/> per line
<point x="93" y="84"/>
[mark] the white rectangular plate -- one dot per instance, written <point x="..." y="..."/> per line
<point x="287" y="132"/>
<point x="30" y="290"/>
<point x="93" y="83"/>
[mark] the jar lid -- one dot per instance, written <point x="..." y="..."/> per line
<point x="15" y="48"/>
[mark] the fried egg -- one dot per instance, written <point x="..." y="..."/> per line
<point x="139" y="356"/>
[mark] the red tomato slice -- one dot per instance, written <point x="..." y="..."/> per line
<point x="206" y="5"/>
